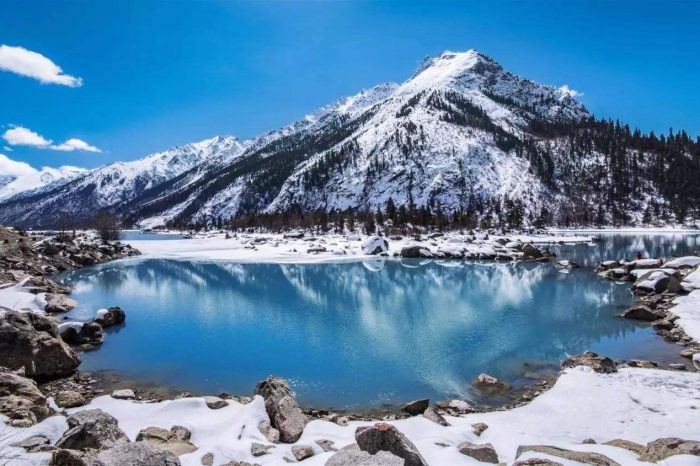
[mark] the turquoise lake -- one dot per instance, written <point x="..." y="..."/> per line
<point x="365" y="334"/>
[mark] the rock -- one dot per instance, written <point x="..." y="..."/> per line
<point x="32" y="342"/>
<point x="92" y="428"/>
<point x="584" y="457"/>
<point x="455" y="407"/>
<point x="416" y="252"/>
<point x="34" y="444"/>
<point x="73" y="458"/>
<point x="175" y="440"/>
<point x="479" y="428"/>
<point x="259" y="449"/>
<point x="531" y="251"/>
<point x="139" y="453"/>
<point x="481" y="452"/>
<point x="283" y="410"/>
<point x="374" y="245"/>
<point x="434" y="416"/>
<point x="301" y="452"/>
<point x="662" y="448"/>
<point x="536" y="462"/>
<point x="382" y="436"/>
<point x="678" y="366"/>
<point x="326" y="445"/>
<point x="600" y="364"/>
<point x="81" y="334"/>
<point x="69" y="399"/>
<point x="487" y="382"/>
<point x="110" y="317"/>
<point x="362" y="458"/>
<point x="56" y="303"/>
<point x="627" y="445"/>
<point x="641" y="312"/>
<point x="21" y="400"/>
<point x="272" y="434"/>
<point x="642" y="364"/>
<point x="214" y="402"/>
<point x="414" y="408"/>
<point x="207" y="459"/>
<point x="124" y="394"/>
<point x="589" y="441"/>
<point x="657" y="282"/>
<point x="663" y="324"/>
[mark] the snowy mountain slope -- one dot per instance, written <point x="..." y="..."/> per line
<point x="17" y="177"/>
<point x="80" y="197"/>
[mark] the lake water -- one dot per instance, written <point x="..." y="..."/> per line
<point x="362" y="335"/>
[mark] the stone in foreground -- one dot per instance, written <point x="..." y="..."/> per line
<point x="283" y="410"/>
<point x="92" y="428"/>
<point x="175" y="440"/>
<point x="301" y="452"/>
<point x="600" y="364"/>
<point x="481" y="452"/>
<point x="362" y="458"/>
<point x="414" y="408"/>
<point x="662" y="448"/>
<point x="386" y="437"/>
<point x="139" y="453"/>
<point x="69" y="399"/>
<point x="585" y="457"/>
<point x="21" y="400"/>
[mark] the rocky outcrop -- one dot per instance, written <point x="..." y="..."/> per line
<point x="92" y="428"/>
<point x="382" y="436"/>
<point x="31" y="342"/>
<point x="21" y="400"/>
<point x="663" y="448"/>
<point x="585" y="457"/>
<point x="363" y="458"/>
<point x="175" y="440"/>
<point x="600" y="364"/>
<point x="484" y="452"/>
<point x="283" y="410"/>
<point x="110" y="317"/>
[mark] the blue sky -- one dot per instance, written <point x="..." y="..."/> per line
<point x="157" y="74"/>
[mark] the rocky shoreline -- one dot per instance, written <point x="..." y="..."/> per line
<point x="40" y="362"/>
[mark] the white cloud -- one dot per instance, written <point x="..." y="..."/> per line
<point x="13" y="168"/>
<point x="573" y="93"/>
<point x="34" y="65"/>
<point x="21" y="136"/>
<point x="75" y="144"/>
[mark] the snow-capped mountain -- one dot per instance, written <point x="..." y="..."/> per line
<point x="17" y="177"/>
<point x="79" y="197"/>
<point x="462" y="134"/>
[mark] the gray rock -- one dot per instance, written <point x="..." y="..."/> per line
<point x="92" y="428"/>
<point x="536" y="462"/>
<point x="73" y="458"/>
<point x="374" y="245"/>
<point x="21" y="400"/>
<point x="326" y="445"/>
<point x="56" y="303"/>
<point x="301" y="452"/>
<point x="124" y="394"/>
<point x="207" y="459"/>
<point x="382" y="436"/>
<point x="175" y="440"/>
<point x="434" y="416"/>
<point x="31" y="342"/>
<point x="455" y="407"/>
<point x="641" y="312"/>
<point x="641" y="363"/>
<point x="89" y="334"/>
<point x="531" y="251"/>
<point x="214" y="402"/>
<point x="113" y="316"/>
<point x="584" y="457"/>
<point x="662" y="448"/>
<point x="139" y="453"/>
<point x="479" y="428"/>
<point x="414" y="408"/>
<point x="600" y="364"/>
<point x="362" y="458"/>
<point x="627" y="445"/>
<point x="69" y="399"/>
<point x="272" y="434"/>
<point x="283" y="410"/>
<point x="678" y="366"/>
<point x="416" y="252"/>
<point x="259" y="449"/>
<point x="489" y="383"/>
<point x="481" y="452"/>
<point x="34" y="443"/>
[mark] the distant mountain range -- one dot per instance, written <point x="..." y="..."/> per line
<point x="460" y="135"/>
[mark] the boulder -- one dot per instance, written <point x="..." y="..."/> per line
<point x="362" y="458"/>
<point x="414" y="408"/>
<point x="662" y="448"/>
<point x="260" y="449"/>
<point x="270" y="433"/>
<point x="109" y="317"/>
<point x="455" y="407"/>
<point x="434" y="416"/>
<point x="382" y="436"/>
<point x="283" y="410"/>
<point x="214" y="402"/>
<point x="536" y="462"/>
<point x="600" y="364"/>
<point x="627" y="445"/>
<point x="56" y="303"/>
<point x="92" y="428"/>
<point x="416" y="252"/>
<point x="479" y="428"/>
<point x="73" y="458"/>
<point x="489" y="383"/>
<point x="531" y="251"/>
<point x="32" y="342"/>
<point x="301" y="452"/>
<point x="326" y="445"/>
<point x="139" y="453"/>
<point x="69" y="399"/>
<point x="657" y="282"/>
<point x="75" y="333"/>
<point x="124" y="394"/>
<point x="585" y="457"/>
<point x="483" y="452"/>
<point x="175" y="440"/>
<point x="374" y="245"/>
<point x="641" y="312"/>
<point x="35" y="443"/>
<point x="21" y="400"/>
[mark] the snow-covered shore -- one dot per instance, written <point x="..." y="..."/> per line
<point x="639" y="405"/>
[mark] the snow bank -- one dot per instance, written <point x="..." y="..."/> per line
<point x="633" y="404"/>
<point x="688" y="309"/>
<point x="17" y="297"/>
<point x="691" y="281"/>
<point x="686" y="261"/>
